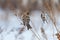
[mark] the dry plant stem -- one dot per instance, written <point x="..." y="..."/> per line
<point x="48" y="6"/>
<point x="53" y="20"/>
<point x="51" y="12"/>
<point x="58" y="5"/>
<point x="43" y="17"/>
<point x="43" y="33"/>
<point x="35" y="34"/>
<point x="19" y="4"/>
<point x="42" y="30"/>
<point x="34" y="28"/>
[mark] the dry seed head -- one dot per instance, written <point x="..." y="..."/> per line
<point x="58" y="36"/>
<point x="47" y="4"/>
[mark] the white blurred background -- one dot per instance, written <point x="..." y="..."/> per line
<point x="11" y="25"/>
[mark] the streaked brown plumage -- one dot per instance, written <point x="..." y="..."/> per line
<point x="26" y="19"/>
<point x="58" y="36"/>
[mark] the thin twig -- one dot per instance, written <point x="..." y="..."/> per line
<point x="35" y="29"/>
<point x="35" y="34"/>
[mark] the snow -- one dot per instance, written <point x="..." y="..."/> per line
<point x="10" y="28"/>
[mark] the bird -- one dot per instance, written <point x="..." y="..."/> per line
<point x="26" y="19"/>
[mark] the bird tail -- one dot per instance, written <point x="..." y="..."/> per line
<point x="28" y="26"/>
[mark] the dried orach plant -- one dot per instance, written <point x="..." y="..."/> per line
<point x="49" y="6"/>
